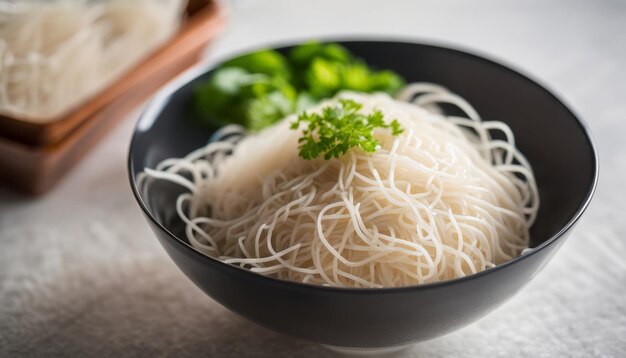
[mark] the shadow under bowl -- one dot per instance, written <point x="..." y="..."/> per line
<point x="553" y="139"/>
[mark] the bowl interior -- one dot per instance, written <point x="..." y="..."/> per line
<point x="553" y="140"/>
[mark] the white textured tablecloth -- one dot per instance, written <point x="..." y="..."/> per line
<point x="82" y="275"/>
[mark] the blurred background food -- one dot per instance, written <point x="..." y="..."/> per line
<point x="71" y="68"/>
<point x="56" y="54"/>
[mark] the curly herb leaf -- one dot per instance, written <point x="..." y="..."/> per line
<point x="340" y="128"/>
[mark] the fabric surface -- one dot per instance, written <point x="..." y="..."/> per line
<point x="81" y="275"/>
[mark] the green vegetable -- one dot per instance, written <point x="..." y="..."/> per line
<point x="266" y="110"/>
<point x="323" y="78"/>
<point x="386" y="81"/>
<point x="259" y="89"/>
<point x="340" y="128"/>
<point x="221" y="96"/>
<point x="302" y="56"/>
<point x="234" y="95"/>
<point x="357" y="77"/>
<point x="268" y="62"/>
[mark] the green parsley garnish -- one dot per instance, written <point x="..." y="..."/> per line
<point x="339" y="128"/>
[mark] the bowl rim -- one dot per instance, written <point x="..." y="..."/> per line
<point x="152" y="110"/>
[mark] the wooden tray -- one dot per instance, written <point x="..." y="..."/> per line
<point x="35" y="168"/>
<point x="199" y="27"/>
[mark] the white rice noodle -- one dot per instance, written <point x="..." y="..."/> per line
<point x="440" y="201"/>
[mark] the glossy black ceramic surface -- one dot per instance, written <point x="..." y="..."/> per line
<point x="556" y="143"/>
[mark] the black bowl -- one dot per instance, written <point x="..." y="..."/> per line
<point x="556" y="143"/>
